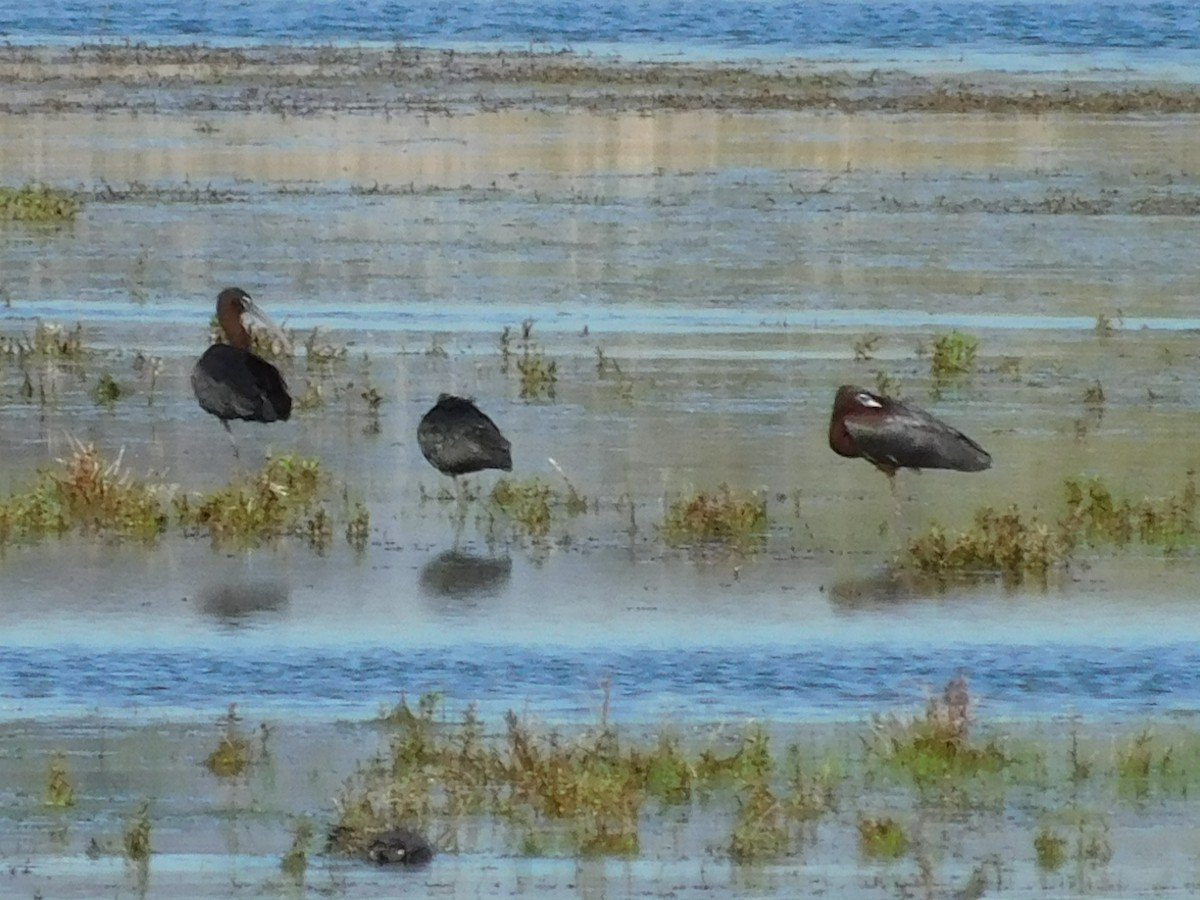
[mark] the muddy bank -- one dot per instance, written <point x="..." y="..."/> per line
<point x="303" y="81"/>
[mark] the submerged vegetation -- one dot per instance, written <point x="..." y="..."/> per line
<point x="952" y="356"/>
<point x="1015" y="546"/>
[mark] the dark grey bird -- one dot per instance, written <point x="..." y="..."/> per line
<point x="458" y="439"/>
<point x="400" y="846"/>
<point x="892" y="435"/>
<point x="229" y="380"/>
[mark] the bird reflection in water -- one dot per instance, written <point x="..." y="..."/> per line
<point x="236" y="602"/>
<point x="458" y="575"/>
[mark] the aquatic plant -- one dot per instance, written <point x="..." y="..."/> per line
<point x="106" y="390"/>
<point x="59" y="791"/>
<point x="865" y="346"/>
<point x="279" y="500"/>
<point x="539" y="375"/>
<point x="724" y="516"/>
<point x="294" y="862"/>
<point x="1050" y="849"/>
<point x="234" y="752"/>
<point x="135" y="837"/>
<point x="358" y="526"/>
<point x="37" y="204"/>
<point x="887" y="385"/>
<point x="997" y="542"/>
<point x="952" y="355"/>
<point x="809" y="796"/>
<point x="87" y="494"/>
<point x="881" y="837"/>
<point x="49" y="340"/>
<point x="1093" y="394"/>
<point x="530" y="504"/>
<point x="936" y="745"/>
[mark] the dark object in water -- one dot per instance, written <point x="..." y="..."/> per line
<point x="400" y="846"/>
<point x="460" y="575"/>
<point x="893" y="435"/>
<point x="229" y="380"/>
<point x="457" y="438"/>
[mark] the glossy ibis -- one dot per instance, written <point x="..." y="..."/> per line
<point x="457" y="439"/>
<point x="229" y="380"/>
<point x="893" y="435"/>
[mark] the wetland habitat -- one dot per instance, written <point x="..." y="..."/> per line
<point x="682" y="649"/>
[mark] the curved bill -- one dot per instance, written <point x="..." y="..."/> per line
<point x="253" y="309"/>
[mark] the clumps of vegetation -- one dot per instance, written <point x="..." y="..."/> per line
<point x="530" y="504"/>
<point x="1015" y="546"/>
<point x="295" y="861"/>
<point x="724" y="516"/>
<point x="38" y="204"/>
<point x="607" y="367"/>
<point x="281" y="499"/>
<point x="936" y="746"/>
<point x="107" y="391"/>
<point x="59" y="791"/>
<point x="48" y="341"/>
<point x="89" y="495"/>
<point x="881" y="838"/>
<point x="135" y="837"/>
<point x="866" y="346"/>
<point x="1050" y="850"/>
<point x="886" y="385"/>
<point x="86" y="494"/>
<point x="234" y="753"/>
<point x="759" y="829"/>
<point x="952" y="356"/>
<point x="1107" y="325"/>
<point x="538" y="374"/>
<point x="358" y="527"/>
<point x="1002" y="542"/>
<point x="581" y="794"/>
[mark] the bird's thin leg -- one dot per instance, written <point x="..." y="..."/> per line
<point x="232" y="439"/>
<point x="891" y="476"/>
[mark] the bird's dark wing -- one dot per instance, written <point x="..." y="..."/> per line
<point x="234" y="384"/>
<point x="910" y="438"/>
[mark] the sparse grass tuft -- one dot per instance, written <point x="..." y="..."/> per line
<point x="295" y="861"/>
<point x="234" y="752"/>
<point x="722" y="516"/>
<point x="48" y="341"/>
<point x="135" y="838"/>
<point x="952" y="356"/>
<point x="1013" y="546"/>
<point x="881" y="838"/>
<point x="281" y="499"/>
<point x="107" y="391"/>
<point x="38" y="204"/>
<point x="539" y="375"/>
<point x="87" y="494"/>
<point x="936" y="746"/>
<point x="59" y="792"/>
<point x="865" y="346"/>
<point x="530" y="505"/>
<point x="1049" y="849"/>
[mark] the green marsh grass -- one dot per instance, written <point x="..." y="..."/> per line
<point x="135" y="837"/>
<point x="952" y="356"/>
<point x="1050" y="849"/>
<point x="38" y="204"/>
<point x="1014" y="546"/>
<point x="881" y="837"/>
<point x="106" y="391"/>
<point x="294" y="862"/>
<point x="59" y="791"/>
<point x="234" y="753"/>
<point x="722" y="516"/>
<point x="531" y="505"/>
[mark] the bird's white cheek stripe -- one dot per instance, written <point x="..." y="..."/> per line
<point x="868" y="400"/>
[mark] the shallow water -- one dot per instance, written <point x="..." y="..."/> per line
<point x="728" y="264"/>
<point x="997" y="35"/>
